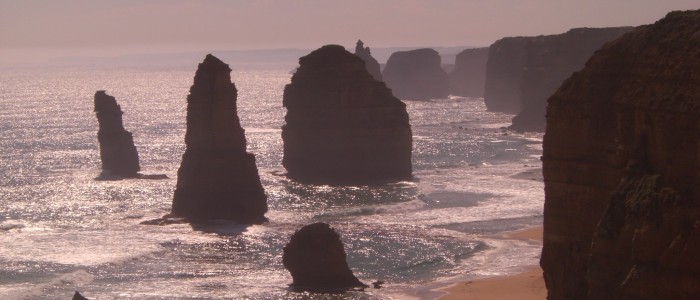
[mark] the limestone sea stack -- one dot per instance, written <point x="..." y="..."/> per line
<point x="117" y="151"/>
<point x="416" y="75"/>
<point x="522" y="72"/>
<point x="217" y="179"/>
<point x="621" y="160"/>
<point x="371" y="64"/>
<point x="316" y="258"/>
<point x="342" y="125"/>
<point x="468" y="78"/>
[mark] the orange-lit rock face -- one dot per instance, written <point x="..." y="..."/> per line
<point x="622" y="213"/>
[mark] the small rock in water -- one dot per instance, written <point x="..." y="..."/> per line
<point x="317" y="261"/>
<point x="78" y="296"/>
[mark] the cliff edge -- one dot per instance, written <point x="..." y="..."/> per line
<point x="621" y="160"/>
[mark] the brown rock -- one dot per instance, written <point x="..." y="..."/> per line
<point x="416" y="75"/>
<point x="342" y="125"/>
<point x="217" y="179"/>
<point x="621" y="154"/>
<point x="468" y="78"/>
<point x="522" y="72"/>
<point x="371" y="64"/>
<point x="316" y="259"/>
<point x="117" y="150"/>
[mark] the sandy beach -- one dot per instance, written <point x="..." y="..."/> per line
<point x="524" y="286"/>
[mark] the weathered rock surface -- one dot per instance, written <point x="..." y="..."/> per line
<point x="317" y="261"/>
<point x="217" y="179"/>
<point x="117" y="151"/>
<point x="78" y="296"/>
<point x="342" y="125"/>
<point x="621" y="160"/>
<point x="468" y="78"/>
<point x="371" y="64"/>
<point x="416" y="75"/>
<point x="522" y="72"/>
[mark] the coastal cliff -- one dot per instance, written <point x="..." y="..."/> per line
<point x="117" y="151"/>
<point x="620" y="163"/>
<point x="416" y="75"/>
<point x="343" y="126"/>
<point x="522" y="72"/>
<point x="217" y="178"/>
<point x="468" y="78"/>
<point x="371" y="63"/>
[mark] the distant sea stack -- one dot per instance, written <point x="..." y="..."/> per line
<point x="371" y="64"/>
<point x="117" y="150"/>
<point x="522" y="72"/>
<point x="468" y="78"/>
<point x="621" y="159"/>
<point x="342" y="125"/>
<point x="316" y="258"/>
<point x="416" y="75"/>
<point x="217" y="179"/>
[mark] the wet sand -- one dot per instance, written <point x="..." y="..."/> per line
<point x="524" y="286"/>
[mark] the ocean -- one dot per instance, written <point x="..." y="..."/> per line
<point x="63" y="231"/>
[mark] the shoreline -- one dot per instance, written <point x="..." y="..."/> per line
<point x="528" y="285"/>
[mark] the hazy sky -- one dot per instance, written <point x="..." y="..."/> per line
<point x="122" y="26"/>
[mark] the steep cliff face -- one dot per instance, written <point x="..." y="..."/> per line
<point x="506" y="61"/>
<point x="217" y="179"/>
<point x="522" y="72"/>
<point x="621" y="160"/>
<point x="117" y="150"/>
<point x="468" y="78"/>
<point x="342" y="125"/>
<point x="371" y="64"/>
<point x="416" y="75"/>
<point x="550" y="60"/>
<point x="316" y="258"/>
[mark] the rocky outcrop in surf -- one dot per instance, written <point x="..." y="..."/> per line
<point x="416" y="75"/>
<point x="522" y="72"/>
<point x="217" y="178"/>
<point x="371" y="64"/>
<point x="316" y="258"/>
<point x="621" y="154"/>
<point x="117" y="151"/>
<point x="468" y="78"/>
<point x="343" y="126"/>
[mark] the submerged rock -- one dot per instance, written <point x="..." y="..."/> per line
<point x="371" y="64"/>
<point x="468" y="78"/>
<point x="217" y="179"/>
<point x="621" y="154"/>
<point x="342" y="125"/>
<point x="416" y="75"/>
<point x="117" y="150"/>
<point x="522" y="72"/>
<point x="317" y="261"/>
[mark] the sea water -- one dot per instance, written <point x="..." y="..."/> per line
<point x="62" y="231"/>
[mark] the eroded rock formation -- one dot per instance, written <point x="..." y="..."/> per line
<point x="621" y="160"/>
<point x="317" y="261"/>
<point x="522" y="72"/>
<point x="217" y="179"/>
<point x="117" y="151"/>
<point x="416" y="75"/>
<point x="371" y="64"/>
<point x="342" y="125"/>
<point x="468" y="78"/>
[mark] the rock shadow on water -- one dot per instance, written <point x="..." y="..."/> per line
<point x="107" y="175"/>
<point x="216" y="226"/>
